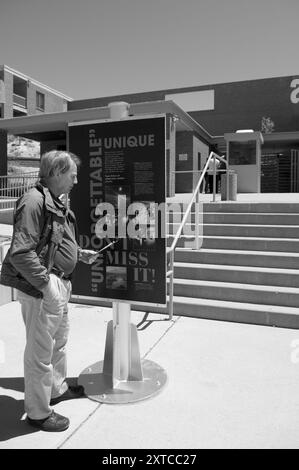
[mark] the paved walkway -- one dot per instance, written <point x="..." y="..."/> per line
<point x="228" y="386"/>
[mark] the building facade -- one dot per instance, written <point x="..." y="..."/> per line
<point x="265" y="157"/>
<point x="268" y="106"/>
<point x="21" y="95"/>
<point x="225" y="107"/>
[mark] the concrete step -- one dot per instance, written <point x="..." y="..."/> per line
<point x="287" y="245"/>
<point x="239" y="218"/>
<point x="242" y="230"/>
<point x="239" y="258"/>
<point x="236" y="292"/>
<point x="268" y="315"/>
<point x="255" y="207"/>
<point x="238" y="274"/>
<point x="257" y="314"/>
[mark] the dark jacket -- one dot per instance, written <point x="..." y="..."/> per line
<point x="38" y="231"/>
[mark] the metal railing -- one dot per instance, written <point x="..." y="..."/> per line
<point x="13" y="187"/>
<point x="215" y="170"/>
<point x="19" y="100"/>
<point x="195" y="198"/>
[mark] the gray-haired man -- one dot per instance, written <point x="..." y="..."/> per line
<point x="39" y="264"/>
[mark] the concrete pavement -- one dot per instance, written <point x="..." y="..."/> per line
<point x="229" y="386"/>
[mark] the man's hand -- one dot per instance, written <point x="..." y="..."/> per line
<point x="88" y="256"/>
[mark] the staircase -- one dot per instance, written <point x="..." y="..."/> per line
<point x="247" y="269"/>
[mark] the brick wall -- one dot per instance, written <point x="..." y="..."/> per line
<point x="238" y="105"/>
<point x="3" y="154"/>
<point x="8" y="81"/>
<point x="53" y="103"/>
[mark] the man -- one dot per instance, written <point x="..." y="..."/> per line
<point x="209" y="176"/>
<point x="39" y="264"/>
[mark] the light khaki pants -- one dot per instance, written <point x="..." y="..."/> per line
<point x="47" y="327"/>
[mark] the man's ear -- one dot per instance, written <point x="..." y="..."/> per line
<point x="55" y="173"/>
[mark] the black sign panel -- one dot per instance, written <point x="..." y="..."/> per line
<point x="120" y="201"/>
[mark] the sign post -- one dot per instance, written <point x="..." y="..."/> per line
<point x="125" y="163"/>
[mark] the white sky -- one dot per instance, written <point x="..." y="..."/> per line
<point x="90" y="48"/>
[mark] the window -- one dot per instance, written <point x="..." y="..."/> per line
<point x="40" y="101"/>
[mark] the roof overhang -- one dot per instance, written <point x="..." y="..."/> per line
<point x="291" y="137"/>
<point x="37" y="125"/>
<point x="282" y="137"/>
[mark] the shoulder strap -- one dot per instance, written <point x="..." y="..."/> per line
<point x="47" y="229"/>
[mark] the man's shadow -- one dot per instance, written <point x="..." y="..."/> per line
<point x="12" y="410"/>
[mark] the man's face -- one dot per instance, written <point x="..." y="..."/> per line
<point x="65" y="181"/>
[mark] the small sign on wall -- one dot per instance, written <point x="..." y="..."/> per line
<point x="183" y="156"/>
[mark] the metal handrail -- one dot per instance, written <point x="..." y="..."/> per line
<point x="195" y="196"/>
<point x="12" y="187"/>
<point x="19" y="100"/>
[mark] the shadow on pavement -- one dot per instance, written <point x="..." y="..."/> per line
<point x="13" y="383"/>
<point x="12" y="410"/>
<point x="11" y="424"/>
<point x="145" y="323"/>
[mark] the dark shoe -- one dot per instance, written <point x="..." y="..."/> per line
<point x="53" y="423"/>
<point x="71" y="393"/>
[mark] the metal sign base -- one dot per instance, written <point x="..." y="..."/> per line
<point x="122" y="377"/>
<point x="99" y="387"/>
